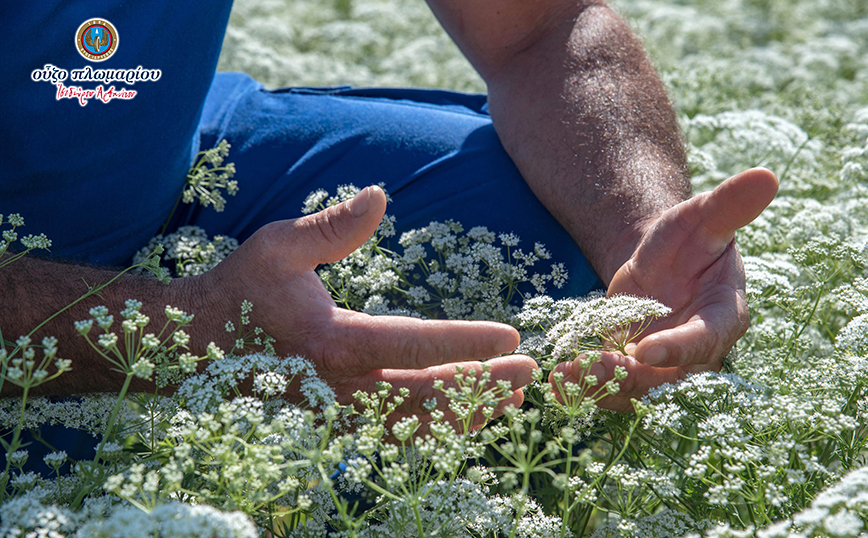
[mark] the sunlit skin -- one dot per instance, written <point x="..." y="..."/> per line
<point x="687" y="259"/>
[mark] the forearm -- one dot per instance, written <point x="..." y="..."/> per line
<point x="36" y="289"/>
<point x="582" y="113"/>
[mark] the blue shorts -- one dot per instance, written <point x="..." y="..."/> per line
<point x="436" y="152"/>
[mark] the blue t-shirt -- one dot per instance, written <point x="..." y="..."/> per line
<point x="101" y="177"/>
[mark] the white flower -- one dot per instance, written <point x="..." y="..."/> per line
<point x="108" y="340"/>
<point x="55" y="459"/>
<point x="17" y="458"/>
<point x="143" y="368"/>
<point x="270" y="383"/>
<point x="313" y="201"/>
<point x="150" y="341"/>
<point x="172" y="520"/>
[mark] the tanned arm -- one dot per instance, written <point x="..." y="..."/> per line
<point x="582" y="113"/>
<point x="580" y="110"/>
<point x="35" y="289"/>
<point x="274" y="270"/>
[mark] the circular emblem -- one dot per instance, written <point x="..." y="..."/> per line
<point x="96" y="39"/>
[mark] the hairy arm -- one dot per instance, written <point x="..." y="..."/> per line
<point x="35" y="289"/>
<point x="582" y="113"/>
<point x="274" y="270"/>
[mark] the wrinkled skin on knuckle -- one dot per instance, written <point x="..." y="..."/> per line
<point x="263" y="257"/>
<point x="267" y="239"/>
<point x="316" y="338"/>
<point x="410" y="351"/>
<point x="334" y="362"/>
<point x="325" y="226"/>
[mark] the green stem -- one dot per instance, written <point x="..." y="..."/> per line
<point x="792" y="342"/>
<point x="13" y="446"/>
<point x="171" y="214"/>
<point x="110" y="426"/>
<point x="567" y="505"/>
<point x="14" y="257"/>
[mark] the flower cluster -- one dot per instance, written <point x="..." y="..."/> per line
<point x="208" y="178"/>
<point x="593" y="322"/>
<point x="9" y="236"/>
<point x="189" y="250"/>
<point x="439" y="271"/>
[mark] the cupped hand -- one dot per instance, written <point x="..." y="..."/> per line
<point x="274" y="270"/>
<point x="687" y="260"/>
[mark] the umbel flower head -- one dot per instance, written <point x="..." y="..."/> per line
<point x="440" y="270"/>
<point x="207" y="179"/>
<point x="190" y="250"/>
<point x="10" y="236"/>
<point x="594" y="322"/>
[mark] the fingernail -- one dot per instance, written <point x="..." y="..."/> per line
<point x="507" y="344"/>
<point x="656" y="355"/>
<point x="359" y="205"/>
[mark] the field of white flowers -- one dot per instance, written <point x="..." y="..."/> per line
<point x="774" y="447"/>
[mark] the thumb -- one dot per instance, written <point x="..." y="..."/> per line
<point x="332" y="234"/>
<point x="738" y="201"/>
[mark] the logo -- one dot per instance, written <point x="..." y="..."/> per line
<point x="96" y="40"/>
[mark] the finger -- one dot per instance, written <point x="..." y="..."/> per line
<point x="737" y="202"/>
<point x="409" y="343"/>
<point x="704" y="338"/>
<point x="698" y="342"/>
<point x="334" y="233"/>
<point x="516" y="369"/>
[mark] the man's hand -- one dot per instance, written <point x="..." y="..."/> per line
<point x="586" y="120"/>
<point x="274" y="269"/>
<point x="687" y="260"/>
